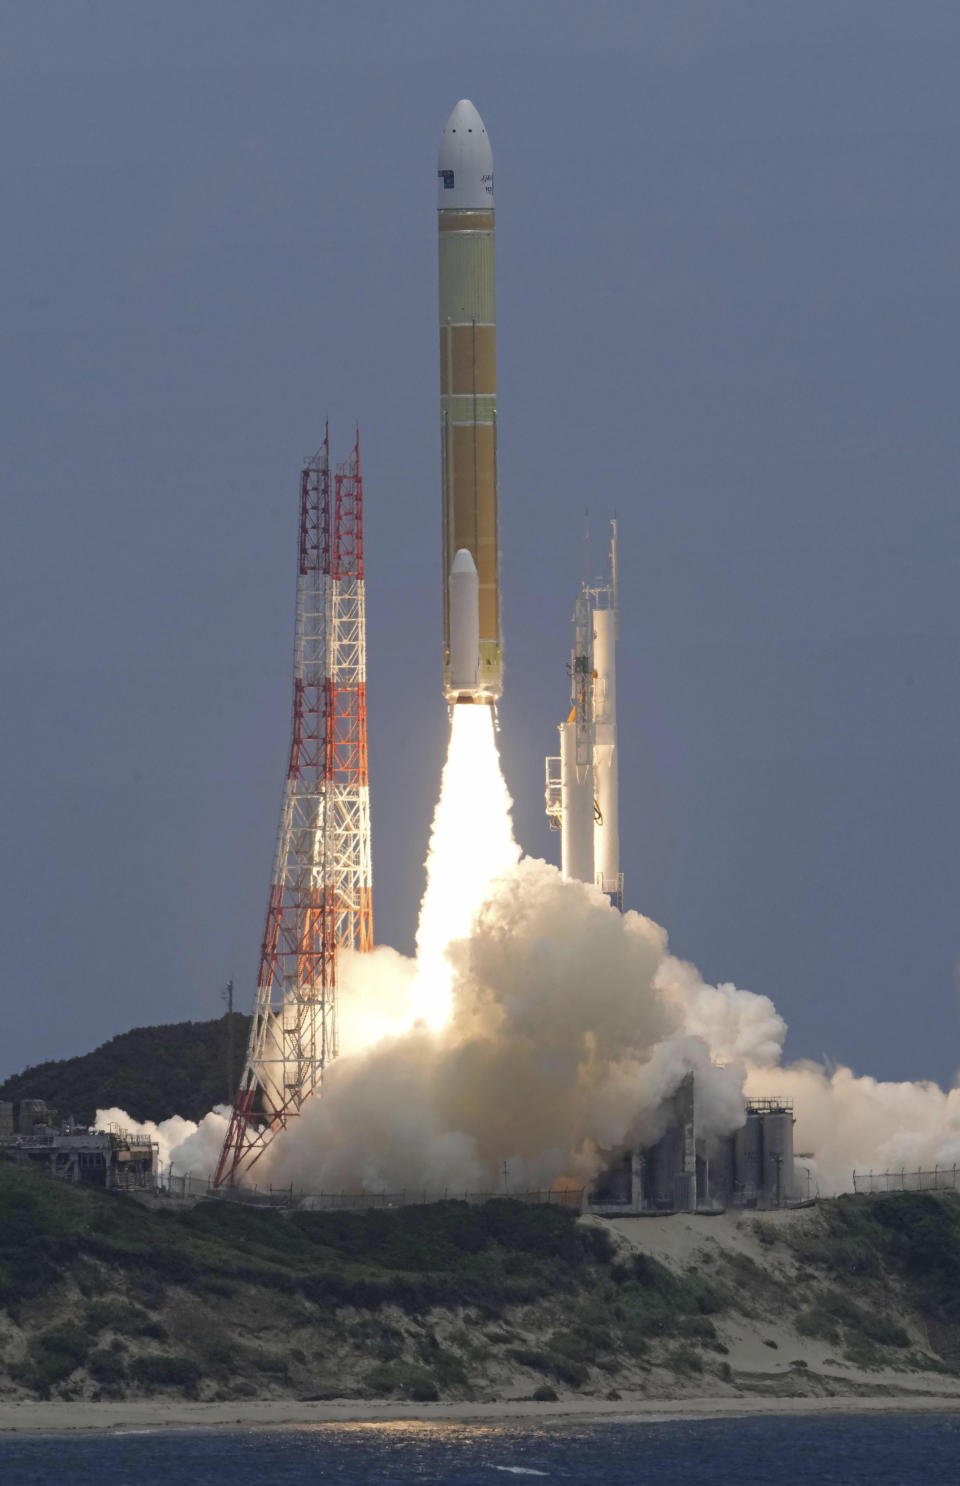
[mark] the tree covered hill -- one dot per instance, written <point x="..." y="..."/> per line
<point x="151" y="1072"/>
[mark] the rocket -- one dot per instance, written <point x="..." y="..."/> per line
<point x="472" y="665"/>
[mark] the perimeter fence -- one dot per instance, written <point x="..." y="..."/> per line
<point x="940" y="1179"/>
<point x="172" y="1184"/>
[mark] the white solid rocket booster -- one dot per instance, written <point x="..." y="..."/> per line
<point x="464" y="624"/>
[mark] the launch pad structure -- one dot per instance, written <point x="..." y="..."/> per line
<point x="321" y="884"/>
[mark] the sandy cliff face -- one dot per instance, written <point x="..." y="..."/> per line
<point x="818" y="1305"/>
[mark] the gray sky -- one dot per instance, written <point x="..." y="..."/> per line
<point x="728" y="239"/>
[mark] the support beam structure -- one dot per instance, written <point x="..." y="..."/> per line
<point x="321" y="886"/>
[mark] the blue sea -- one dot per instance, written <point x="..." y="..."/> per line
<point x="902" y="1450"/>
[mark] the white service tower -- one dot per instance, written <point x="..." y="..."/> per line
<point x="582" y="783"/>
<point x="606" y="824"/>
<point x="577" y="793"/>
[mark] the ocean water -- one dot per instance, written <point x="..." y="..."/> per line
<point x="902" y="1450"/>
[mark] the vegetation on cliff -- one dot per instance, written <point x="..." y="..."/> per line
<point x="906" y="1241"/>
<point x="102" y="1297"/>
<point x="151" y="1072"/>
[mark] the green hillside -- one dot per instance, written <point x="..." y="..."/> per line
<point x="151" y="1072"/>
<point x="105" y="1297"/>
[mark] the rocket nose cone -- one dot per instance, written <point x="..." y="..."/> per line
<point x="464" y="119"/>
<point x="463" y="562"/>
<point x="465" y="162"/>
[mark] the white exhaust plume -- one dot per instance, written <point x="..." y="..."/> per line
<point x="538" y="1028"/>
<point x="471" y="841"/>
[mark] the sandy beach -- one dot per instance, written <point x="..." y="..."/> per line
<point x="68" y="1418"/>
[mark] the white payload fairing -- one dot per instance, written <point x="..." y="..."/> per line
<point x="468" y="406"/>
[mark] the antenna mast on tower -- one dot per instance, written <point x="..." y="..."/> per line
<point x="320" y="895"/>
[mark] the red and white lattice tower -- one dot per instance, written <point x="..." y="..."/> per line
<point x="320" y="895"/>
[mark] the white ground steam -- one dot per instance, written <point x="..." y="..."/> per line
<point x="852" y="1123"/>
<point x="191" y="1147"/>
<point x="538" y="1026"/>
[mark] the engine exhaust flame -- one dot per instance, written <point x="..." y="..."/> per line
<point x="471" y="843"/>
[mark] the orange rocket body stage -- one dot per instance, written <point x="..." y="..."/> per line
<point x="472" y="653"/>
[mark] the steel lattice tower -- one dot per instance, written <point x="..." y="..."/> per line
<point x="320" y="895"/>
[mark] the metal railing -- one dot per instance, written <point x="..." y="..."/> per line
<point x="940" y="1179"/>
<point x="119" y="1132"/>
<point x="172" y="1184"/>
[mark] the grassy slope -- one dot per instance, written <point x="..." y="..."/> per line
<point x="868" y="1252"/>
<point x="150" y="1072"/>
<point x="101" y="1297"/>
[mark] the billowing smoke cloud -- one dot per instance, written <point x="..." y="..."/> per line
<point x="538" y="1028"/>
<point x="168" y="1134"/>
<point x="850" y="1123"/>
<point x="559" y="1043"/>
<point x="375" y="993"/>
<point x="188" y="1146"/>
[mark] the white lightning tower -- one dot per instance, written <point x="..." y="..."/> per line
<point x="320" y="894"/>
